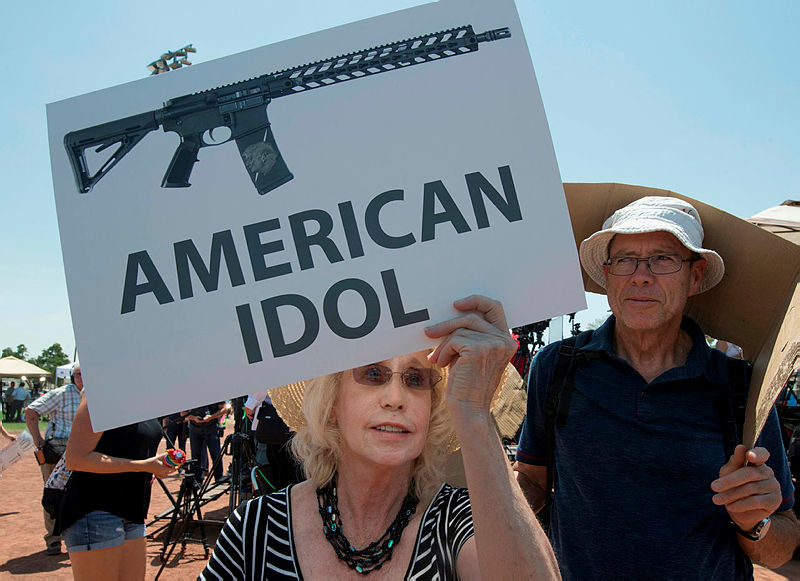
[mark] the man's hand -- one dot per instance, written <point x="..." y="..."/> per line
<point x="32" y="423"/>
<point x="749" y="493"/>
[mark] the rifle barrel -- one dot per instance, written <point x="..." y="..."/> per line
<point x="371" y="61"/>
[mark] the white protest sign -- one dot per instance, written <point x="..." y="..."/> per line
<point x="346" y="204"/>
<point x="20" y="447"/>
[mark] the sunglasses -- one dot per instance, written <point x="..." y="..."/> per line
<point x="413" y="378"/>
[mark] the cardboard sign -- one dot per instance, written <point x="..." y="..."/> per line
<point x="756" y="304"/>
<point x="306" y="207"/>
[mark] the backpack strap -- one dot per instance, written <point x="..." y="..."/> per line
<point x="739" y="373"/>
<point x="559" y="395"/>
<point x="731" y="402"/>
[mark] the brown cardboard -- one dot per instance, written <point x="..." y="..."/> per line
<point x="783" y="360"/>
<point x="757" y="304"/>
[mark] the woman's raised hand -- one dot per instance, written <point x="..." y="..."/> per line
<point x="477" y="346"/>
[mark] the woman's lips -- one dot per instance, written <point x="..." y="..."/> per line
<point x="391" y="429"/>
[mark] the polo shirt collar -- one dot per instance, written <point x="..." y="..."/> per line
<point x="697" y="362"/>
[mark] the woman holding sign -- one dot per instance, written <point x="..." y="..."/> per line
<point x="372" y="441"/>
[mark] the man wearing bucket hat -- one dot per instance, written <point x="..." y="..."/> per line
<point x="634" y="420"/>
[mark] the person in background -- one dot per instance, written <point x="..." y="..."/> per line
<point x="7" y="399"/>
<point x="728" y="348"/>
<point x="252" y="406"/>
<point x="272" y="436"/>
<point x="174" y="428"/>
<point x="204" y="436"/>
<point x="19" y="399"/>
<point x="60" y="404"/>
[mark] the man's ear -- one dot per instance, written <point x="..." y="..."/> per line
<point x="605" y="273"/>
<point x="696" y="276"/>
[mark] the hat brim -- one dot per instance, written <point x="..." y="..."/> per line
<point x="508" y="405"/>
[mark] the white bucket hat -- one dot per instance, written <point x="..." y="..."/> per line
<point x="652" y="214"/>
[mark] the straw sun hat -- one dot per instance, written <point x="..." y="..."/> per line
<point x="507" y="407"/>
<point x="652" y="214"/>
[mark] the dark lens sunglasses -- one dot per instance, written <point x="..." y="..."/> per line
<point x="413" y="378"/>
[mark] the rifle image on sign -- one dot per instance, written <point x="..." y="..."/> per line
<point x="242" y="109"/>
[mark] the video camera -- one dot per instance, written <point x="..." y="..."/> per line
<point x="192" y="468"/>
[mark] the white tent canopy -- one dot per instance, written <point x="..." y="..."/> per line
<point x="12" y="367"/>
<point x="783" y="220"/>
<point x="64" y="371"/>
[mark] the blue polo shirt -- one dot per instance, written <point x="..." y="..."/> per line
<point x="634" y="464"/>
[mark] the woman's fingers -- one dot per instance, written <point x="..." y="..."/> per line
<point x="481" y="329"/>
<point x="479" y="313"/>
<point x="491" y="309"/>
<point x="476" y="346"/>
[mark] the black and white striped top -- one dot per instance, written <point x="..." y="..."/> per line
<point x="256" y="542"/>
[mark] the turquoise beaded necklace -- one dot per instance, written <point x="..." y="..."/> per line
<point x="373" y="556"/>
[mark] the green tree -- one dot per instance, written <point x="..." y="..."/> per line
<point x="20" y="353"/>
<point x="51" y="358"/>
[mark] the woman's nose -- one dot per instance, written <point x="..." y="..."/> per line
<point x="393" y="393"/>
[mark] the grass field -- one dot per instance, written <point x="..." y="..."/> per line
<point x="17" y="427"/>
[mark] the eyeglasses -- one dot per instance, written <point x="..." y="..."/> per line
<point x="377" y="375"/>
<point x="658" y="264"/>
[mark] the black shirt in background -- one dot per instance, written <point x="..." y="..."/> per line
<point x="126" y="494"/>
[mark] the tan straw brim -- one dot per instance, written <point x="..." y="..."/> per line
<point x="507" y="408"/>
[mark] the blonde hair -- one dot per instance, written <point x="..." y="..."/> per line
<point x="317" y="445"/>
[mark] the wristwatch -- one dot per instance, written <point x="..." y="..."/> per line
<point x="758" y="532"/>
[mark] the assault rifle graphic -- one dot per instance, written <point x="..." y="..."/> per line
<point x="242" y="108"/>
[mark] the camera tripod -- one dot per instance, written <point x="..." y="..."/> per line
<point x="240" y="448"/>
<point x="186" y="507"/>
<point x="197" y="487"/>
<point x="239" y="445"/>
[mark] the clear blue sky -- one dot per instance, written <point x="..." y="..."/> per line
<point x="696" y="97"/>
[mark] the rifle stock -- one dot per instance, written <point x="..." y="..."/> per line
<point x="125" y="132"/>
